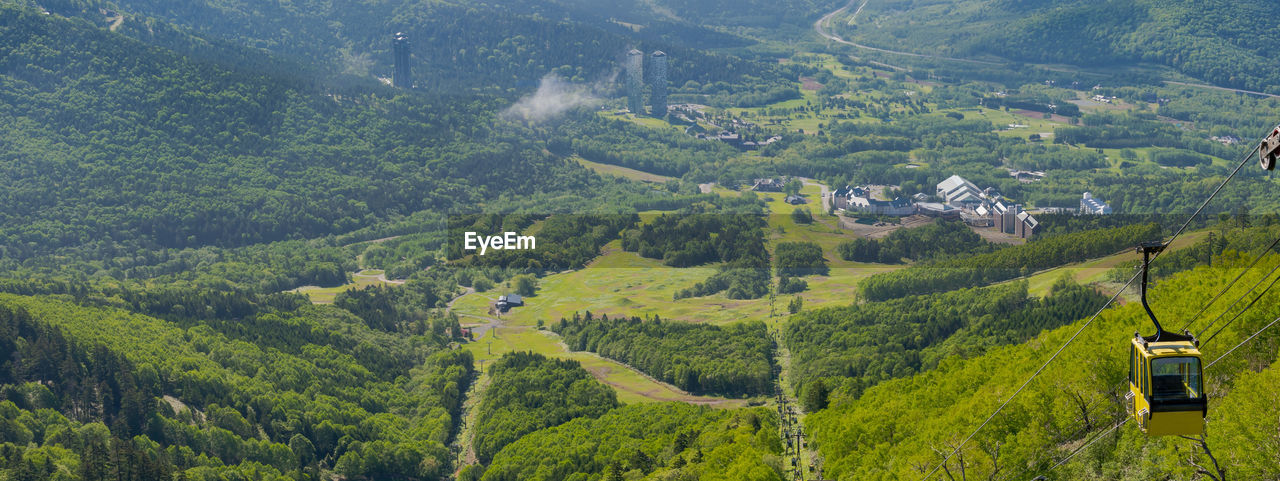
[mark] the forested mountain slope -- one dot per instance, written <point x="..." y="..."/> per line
<point x="531" y="392"/>
<point x="109" y="142"/>
<point x="457" y="46"/>
<point x="901" y="429"/>
<point x="699" y="358"/>
<point x="750" y="13"/>
<point x="854" y="347"/>
<point x="1223" y="42"/>
<point x="113" y="146"/>
<point x="100" y="391"/>
<point x="650" y="441"/>
<point x="149" y="136"/>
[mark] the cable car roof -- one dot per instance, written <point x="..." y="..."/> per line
<point x="1180" y="348"/>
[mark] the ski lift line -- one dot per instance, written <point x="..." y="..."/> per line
<point x="1237" y="301"/>
<point x="1244" y="159"/>
<point x="1231" y="284"/>
<point x="1242" y="311"/>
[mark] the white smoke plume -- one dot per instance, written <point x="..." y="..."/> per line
<point x="554" y="97"/>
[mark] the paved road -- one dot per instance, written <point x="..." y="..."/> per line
<point x="477" y="330"/>
<point x="826" y="192"/>
<point x="820" y="27"/>
<point x="1215" y="87"/>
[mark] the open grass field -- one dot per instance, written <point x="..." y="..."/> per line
<point x="632" y="386"/>
<point x="618" y="283"/>
<point x="651" y="122"/>
<point x="795" y="115"/>
<point x="619" y="171"/>
<point x="645" y="120"/>
<point x="359" y="280"/>
<point x="811" y="193"/>
<point x="624" y="284"/>
<point x="1002" y="120"/>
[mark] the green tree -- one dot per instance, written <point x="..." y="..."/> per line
<point x="802" y="216"/>
<point x="525" y="285"/>
<point x="303" y="451"/>
<point x="815" y="396"/>
<point x="792" y="187"/>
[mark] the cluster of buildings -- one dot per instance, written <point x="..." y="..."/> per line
<point x="860" y="200"/>
<point x="776" y="185"/>
<point x="730" y="133"/>
<point x="960" y="193"/>
<point x="1009" y="219"/>
<point x="958" y="198"/>
<point x="634" y="67"/>
<point x="1026" y="176"/>
<point x="736" y="140"/>
<point x="1226" y="139"/>
<point x="986" y="208"/>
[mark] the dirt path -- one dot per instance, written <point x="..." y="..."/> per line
<point x="469" y="290"/>
<point x="381" y="276"/>
<point x="478" y="330"/>
<point x="463" y="445"/>
<point x="374" y="241"/>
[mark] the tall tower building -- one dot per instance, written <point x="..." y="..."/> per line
<point x="403" y="76"/>
<point x="635" y="81"/>
<point x="658" y="97"/>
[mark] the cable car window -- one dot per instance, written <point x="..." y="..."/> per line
<point x="1175" y="378"/>
<point x="1144" y="379"/>
<point x="1133" y="364"/>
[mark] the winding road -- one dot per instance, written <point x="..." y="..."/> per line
<point x="820" y="27"/>
<point x="1215" y="87"/>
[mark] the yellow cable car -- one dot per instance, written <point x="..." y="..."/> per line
<point x="1166" y="382"/>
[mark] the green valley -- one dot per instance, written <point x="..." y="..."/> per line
<point x="565" y="240"/>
